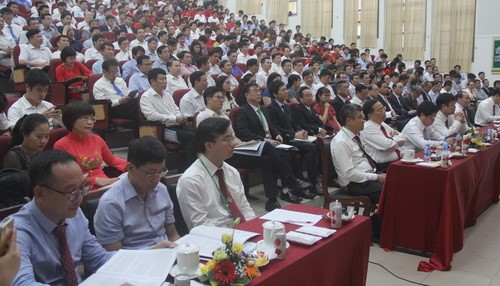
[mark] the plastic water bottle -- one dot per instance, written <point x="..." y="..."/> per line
<point x="427" y="152"/>
<point x="445" y="156"/>
<point x="458" y="142"/>
<point x="489" y="136"/>
<point x="336" y="214"/>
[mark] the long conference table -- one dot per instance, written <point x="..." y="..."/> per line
<point x="426" y="209"/>
<point x="341" y="259"/>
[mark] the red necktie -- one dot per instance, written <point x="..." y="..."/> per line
<point x="66" y="258"/>
<point x="385" y="134"/>
<point x="233" y="207"/>
<point x="372" y="162"/>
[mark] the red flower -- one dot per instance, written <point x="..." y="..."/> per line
<point x="225" y="272"/>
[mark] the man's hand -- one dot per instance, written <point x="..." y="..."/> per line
<point x="322" y="132"/>
<point x="9" y="263"/>
<point x="123" y="99"/>
<point x="302" y="134"/>
<point x="52" y="113"/>
<point x="460" y="116"/>
<point x="181" y="120"/>
<point x="163" y="244"/>
<point x="273" y="142"/>
<point x="381" y="178"/>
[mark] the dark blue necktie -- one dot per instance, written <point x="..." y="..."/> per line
<point x="12" y="33"/>
<point x="120" y="93"/>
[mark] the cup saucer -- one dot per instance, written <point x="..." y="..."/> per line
<point x="174" y="271"/>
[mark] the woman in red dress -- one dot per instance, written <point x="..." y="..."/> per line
<point x="325" y="111"/>
<point x="71" y="68"/>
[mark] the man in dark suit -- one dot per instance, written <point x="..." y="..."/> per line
<point x="127" y="24"/>
<point x="410" y="101"/>
<point x="252" y="124"/>
<point x="110" y="25"/>
<point x="342" y="97"/>
<point x="404" y="114"/>
<point x="305" y="116"/>
<point x="281" y="117"/>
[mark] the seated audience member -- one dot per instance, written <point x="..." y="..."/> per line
<point x="130" y="67"/>
<point x="29" y="137"/>
<point x="361" y="94"/>
<point x="37" y="86"/>
<point x="107" y="52"/>
<point x="7" y="45"/>
<point x="192" y="101"/>
<point x="462" y="106"/>
<point x="325" y="111"/>
<point x="63" y="42"/>
<point x="419" y="131"/>
<point x="270" y="161"/>
<point x="264" y="72"/>
<point x="139" y="81"/>
<point x="151" y="48"/>
<point x="114" y="88"/>
<point x="202" y="65"/>
<point x="305" y="116"/>
<point x="11" y="29"/>
<point x="488" y="110"/>
<point x="380" y="141"/>
<point x="75" y="44"/>
<point x="187" y="67"/>
<point x="52" y="232"/>
<point x="93" y="53"/>
<point x="158" y="105"/>
<point x="163" y="57"/>
<point x="210" y="191"/>
<point x="355" y="169"/>
<point x="34" y="54"/>
<point x="226" y="69"/>
<point x="280" y="117"/>
<point x="125" y="53"/>
<point x="325" y="77"/>
<point x="266" y="95"/>
<point x="137" y="211"/>
<point x="175" y="80"/>
<point x="71" y="68"/>
<point x="89" y="150"/>
<point x="342" y="97"/>
<point x="229" y="102"/>
<point x="448" y="122"/>
<point x="4" y="122"/>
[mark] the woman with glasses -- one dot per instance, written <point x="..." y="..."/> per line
<point x="89" y="149"/>
<point x="70" y="71"/>
<point x="325" y="111"/>
<point x="29" y="137"/>
<point x="224" y="83"/>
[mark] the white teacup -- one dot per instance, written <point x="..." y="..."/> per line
<point x="188" y="258"/>
<point x="270" y="230"/>
<point x="409" y="155"/>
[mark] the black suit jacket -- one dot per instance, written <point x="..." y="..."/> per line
<point x="400" y="109"/>
<point x="124" y="28"/>
<point x="337" y="104"/>
<point x="307" y="119"/>
<point x="248" y="126"/>
<point x="281" y="121"/>
<point x="425" y="96"/>
<point x="381" y="100"/>
<point x="410" y="102"/>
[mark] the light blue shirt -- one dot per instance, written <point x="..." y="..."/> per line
<point x="39" y="247"/>
<point x="129" y="68"/>
<point x="139" y="81"/>
<point x="160" y="64"/>
<point x="123" y="216"/>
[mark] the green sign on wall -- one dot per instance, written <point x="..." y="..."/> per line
<point x="496" y="55"/>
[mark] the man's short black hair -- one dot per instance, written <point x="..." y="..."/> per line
<point x="31" y="33"/>
<point x="208" y="130"/>
<point x="40" y="169"/>
<point x="109" y="63"/>
<point x="426" y="108"/>
<point x="348" y="111"/>
<point x="36" y="77"/>
<point x="146" y="150"/>
<point x="209" y="93"/>
<point x="444" y="99"/>
<point x="153" y="74"/>
<point x="368" y="107"/>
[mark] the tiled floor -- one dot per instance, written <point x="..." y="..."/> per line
<point x="477" y="264"/>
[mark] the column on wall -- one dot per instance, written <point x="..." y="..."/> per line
<point x="393" y="32"/>
<point x="249" y="6"/>
<point x="351" y="19"/>
<point x="369" y="24"/>
<point x="316" y="17"/>
<point x="414" y="30"/>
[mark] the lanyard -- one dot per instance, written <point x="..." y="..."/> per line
<point x="223" y="198"/>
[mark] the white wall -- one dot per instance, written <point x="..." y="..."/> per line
<point x="486" y="28"/>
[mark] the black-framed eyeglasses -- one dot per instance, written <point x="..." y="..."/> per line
<point x="149" y="175"/>
<point x="88" y="118"/>
<point x="73" y="195"/>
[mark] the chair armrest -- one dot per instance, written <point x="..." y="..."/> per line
<point x="152" y="128"/>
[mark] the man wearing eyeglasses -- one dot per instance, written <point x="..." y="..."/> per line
<point x="137" y="211"/>
<point x="52" y="231"/>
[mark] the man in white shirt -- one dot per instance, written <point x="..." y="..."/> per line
<point x="192" y="101"/>
<point x="361" y="95"/>
<point x="210" y="192"/>
<point x="151" y="49"/>
<point x="63" y="42"/>
<point x="47" y="28"/>
<point x="93" y="53"/>
<point x="214" y="61"/>
<point x="158" y="105"/>
<point x="34" y="54"/>
<point x="448" y="122"/>
<point x="488" y="110"/>
<point x="200" y="17"/>
<point x="418" y="131"/>
<point x="108" y="52"/>
<point x="37" y="86"/>
<point x="140" y="81"/>
<point x="265" y="70"/>
<point x="163" y="57"/>
<point x="139" y="41"/>
<point x="114" y="88"/>
<point x="175" y="80"/>
<point x="15" y="12"/>
<point x="276" y="63"/>
<point x="380" y="141"/>
<point x="10" y="28"/>
<point x="124" y="54"/>
<point x="7" y="45"/>
<point x="355" y="169"/>
<point x="79" y="11"/>
<point x="243" y="55"/>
